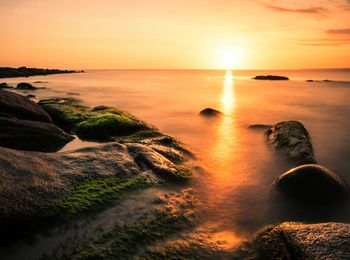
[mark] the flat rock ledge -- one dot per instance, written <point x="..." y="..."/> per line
<point x="295" y="240"/>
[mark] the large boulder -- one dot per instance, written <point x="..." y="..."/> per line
<point x="17" y="106"/>
<point x="293" y="140"/>
<point x="32" y="182"/>
<point x="311" y="183"/>
<point x="31" y="135"/>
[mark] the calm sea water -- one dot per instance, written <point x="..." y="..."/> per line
<point x="240" y="165"/>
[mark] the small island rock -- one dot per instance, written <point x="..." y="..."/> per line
<point x="25" y="86"/>
<point x="270" y="77"/>
<point x="210" y="112"/>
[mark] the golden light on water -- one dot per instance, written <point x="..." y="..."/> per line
<point x="227" y="96"/>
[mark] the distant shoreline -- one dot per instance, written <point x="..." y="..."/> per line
<point x="8" y="72"/>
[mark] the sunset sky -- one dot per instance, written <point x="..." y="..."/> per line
<point x="169" y="34"/>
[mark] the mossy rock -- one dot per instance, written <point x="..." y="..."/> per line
<point x="101" y="123"/>
<point x="66" y="113"/>
<point x="93" y="194"/>
<point x="105" y="126"/>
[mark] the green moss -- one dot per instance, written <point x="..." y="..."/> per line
<point x="269" y="243"/>
<point x="126" y="240"/>
<point x="142" y="135"/>
<point x="95" y="193"/>
<point x="182" y="173"/>
<point x="66" y="116"/>
<point x="105" y="125"/>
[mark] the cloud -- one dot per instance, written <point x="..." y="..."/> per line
<point x="310" y="10"/>
<point x="325" y="42"/>
<point x="345" y="31"/>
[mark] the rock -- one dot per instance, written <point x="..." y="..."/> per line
<point x="259" y="126"/>
<point x="31" y="135"/>
<point x="294" y="240"/>
<point x="100" y="123"/>
<point x="32" y="181"/>
<point x="31" y="96"/>
<point x="4" y="85"/>
<point x="270" y="77"/>
<point x="17" y="106"/>
<point x="210" y="112"/>
<point x="6" y="72"/>
<point x="25" y="86"/>
<point x="293" y="141"/>
<point x="39" y="81"/>
<point x="310" y="80"/>
<point x="311" y="183"/>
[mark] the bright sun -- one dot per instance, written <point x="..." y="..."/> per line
<point x="229" y="58"/>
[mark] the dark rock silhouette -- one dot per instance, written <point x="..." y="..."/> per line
<point x="210" y="112"/>
<point x="17" y="106"/>
<point x="311" y="183"/>
<point x="31" y="96"/>
<point x="259" y="126"/>
<point x="293" y="141"/>
<point x="7" y="72"/>
<point x="31" y="135"/>
<point x="4" y="85"/>
<point x="270" y="77"/>
<point x="25" y="86"/>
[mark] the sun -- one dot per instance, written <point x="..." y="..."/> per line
<point x="229" y="58"/>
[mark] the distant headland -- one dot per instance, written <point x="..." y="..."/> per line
<point x="7" y="72"/>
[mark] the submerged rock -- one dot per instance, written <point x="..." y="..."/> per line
<point x="17" y="106"/>
<point x="293" y="140"/>
<point x="25" y="86"/>
<point x="4" y="85"/>
<point x="98" y="123"/>
<point x="311" y="183"/>
<point x="210" y="112"/>
<point x="31" y="135"/>
<point x="293" y="240"/>
<point x="259" y="126"/>
<point x="270" y="77"/>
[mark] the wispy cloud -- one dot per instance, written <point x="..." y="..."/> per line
<point x="345" y="31"/>
<point x="325" y="42"/>
<point x="311" y="10"/>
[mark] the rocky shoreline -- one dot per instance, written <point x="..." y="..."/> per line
<point x="7" y="72"/>
<point x="41" y="186"/>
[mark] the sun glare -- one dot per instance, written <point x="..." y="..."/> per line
<point x="229" y="58"/>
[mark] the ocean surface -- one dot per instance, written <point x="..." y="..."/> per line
<point x="240" y="166"/>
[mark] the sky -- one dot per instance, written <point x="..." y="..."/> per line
<point x="175" y="34"/>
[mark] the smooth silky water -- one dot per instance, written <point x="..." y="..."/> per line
<point x="240" y="166"/>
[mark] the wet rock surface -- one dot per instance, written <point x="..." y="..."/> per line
<point x="293" y="140"/>
<point x="311" y="183"/>
<point x="293" y="240"/>
<point x="17" y="106"/>
<point x="31" y="135"/>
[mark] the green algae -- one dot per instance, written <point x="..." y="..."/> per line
<point x="126" y="240"/>
<point x="96" y="193"/>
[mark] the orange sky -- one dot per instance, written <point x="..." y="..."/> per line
<point x="167" y="34"/>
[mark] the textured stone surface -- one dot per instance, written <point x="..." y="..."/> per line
<point x="319" y="241"/>
<point x="293" y="141"/>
